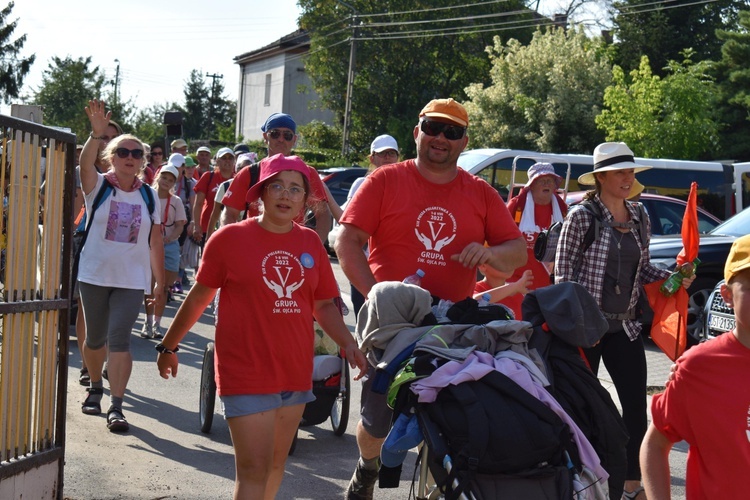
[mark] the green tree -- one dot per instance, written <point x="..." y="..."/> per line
<point x="207" y="113"/>
<point x="407" y="53"/>
<point x="67" y="85"/>
<point x="733" y="75"/>
<point x="12" y="68"/>
<point x="642" y="27"/>
<point x="544" y="96"/>
<point x="667" y="117"/>
<point x="195" y="117"/>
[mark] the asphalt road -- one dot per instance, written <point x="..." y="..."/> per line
<point x="165" y="456"/>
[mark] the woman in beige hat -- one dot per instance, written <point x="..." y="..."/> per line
<point x="612" y="269"/>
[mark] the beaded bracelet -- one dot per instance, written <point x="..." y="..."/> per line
<point x="95" y="138"/>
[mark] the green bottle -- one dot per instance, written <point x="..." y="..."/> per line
<point x="674" y="281"/>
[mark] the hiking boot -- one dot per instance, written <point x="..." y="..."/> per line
<point x="362" y="484"/>
<point x="185" y="279"/>
<point x="148" y="330"/>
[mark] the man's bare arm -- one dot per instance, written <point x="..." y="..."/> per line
<point x="352" y="259"/>
<point x="229" y="215"/>
<point x="655" y="464"/>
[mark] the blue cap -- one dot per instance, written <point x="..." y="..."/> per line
<point x="279" y="120"/>
<point x="404" y="435"/>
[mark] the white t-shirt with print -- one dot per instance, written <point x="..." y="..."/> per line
<point x="116" y="253"/>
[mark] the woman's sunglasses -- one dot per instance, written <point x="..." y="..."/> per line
<point x="275" y="133"/>
<point x="451" y="132"/>
<point x="137" y="154"/>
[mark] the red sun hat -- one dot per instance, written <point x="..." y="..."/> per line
<point x="273" y="166"/>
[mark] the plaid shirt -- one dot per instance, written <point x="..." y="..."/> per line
<point x="588" y="268"/>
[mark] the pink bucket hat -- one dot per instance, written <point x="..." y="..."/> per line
<point x="273" y="166"/>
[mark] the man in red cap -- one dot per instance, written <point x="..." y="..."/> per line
<point x="426" y="214"/>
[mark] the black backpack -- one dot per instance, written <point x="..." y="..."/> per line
<point x="493" y="426"/>
<point x="546" y="243"/>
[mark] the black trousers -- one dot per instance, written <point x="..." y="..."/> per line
<point x="625" y="361"/>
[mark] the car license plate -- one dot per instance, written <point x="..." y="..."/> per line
<point x="721" y="323"/>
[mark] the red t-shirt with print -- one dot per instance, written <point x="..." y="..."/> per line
<point x="264" y="325"/>
<point x="416" y="224"/>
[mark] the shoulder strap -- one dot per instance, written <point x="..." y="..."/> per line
<point x="642" y="224"/>
<point x="594" y="230"/>
<point x="254" y="173"/>
<point x="148" y="197"/>
<point x="98" y="200"/>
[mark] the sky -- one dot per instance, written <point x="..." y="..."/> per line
<point x="157" y="42"/>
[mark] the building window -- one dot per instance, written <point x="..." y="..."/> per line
<point x="267" y="99"/>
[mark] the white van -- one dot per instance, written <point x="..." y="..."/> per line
<point x="723" y="188"/>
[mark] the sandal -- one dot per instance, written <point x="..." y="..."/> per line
<point x="84" y="378"/>
<point x="90" y="407"/>
<point x="116" y="420"/>
<point x="631" y="495"/>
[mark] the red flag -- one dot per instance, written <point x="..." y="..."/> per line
<point x="669" y="327"/>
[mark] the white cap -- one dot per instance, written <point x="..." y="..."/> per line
<point x="203" y="148"/>
<point x="170" y="169"/>
<point x="382" y="143"/>
<point x="224" y="151"/>
<point x="176" y="160"/>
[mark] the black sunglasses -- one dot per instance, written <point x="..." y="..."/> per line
<point x="451" y="132"/>
<point x="155" y="153"/>
<point x="137" y="154"/>
<point x="275" y="133"/>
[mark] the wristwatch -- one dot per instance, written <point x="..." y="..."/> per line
<point x="164" y="350"/>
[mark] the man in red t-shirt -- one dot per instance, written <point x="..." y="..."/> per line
<point x="205" y="191"/>
<point x="423" y="214"/>
<point x="707" y="404"/>
<point x="280" y="135"/>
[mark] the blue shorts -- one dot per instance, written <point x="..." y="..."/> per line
<point x="249" y="404"/>
<point x="172" y="256"/>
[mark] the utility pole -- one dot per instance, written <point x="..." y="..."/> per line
<point x="349" y="80"/>
<point x="116" y="83"/>
<point x="212" y="102"/>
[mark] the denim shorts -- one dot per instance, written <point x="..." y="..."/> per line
<point x="249" y="404"/>
<point x="172" y="256"/>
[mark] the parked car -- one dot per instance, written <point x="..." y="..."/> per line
<point x="665" y="213"/>
<point x="340" y="179"/>
<point x="719" y="317"/>
<point x="713" y="252"/>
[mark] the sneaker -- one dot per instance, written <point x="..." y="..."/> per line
<point x="177" y="287"/>
<point x="105" y="375"/>
<point x="158" y="332"/>
<point x="362" y="484"/>
<point x="148" y="331"/>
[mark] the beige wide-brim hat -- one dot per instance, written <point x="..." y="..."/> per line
<point x="611" y="156"/>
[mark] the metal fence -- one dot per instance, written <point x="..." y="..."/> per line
<point x="36" y="177"/>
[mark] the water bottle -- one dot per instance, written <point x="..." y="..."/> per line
<point x="415" y="279"/>
<point x="484" y="300"/>
<point x="674" y="281"/>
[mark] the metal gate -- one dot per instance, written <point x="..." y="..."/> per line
<point x="35" y="230"/>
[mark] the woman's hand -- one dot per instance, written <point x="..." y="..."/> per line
<point x="98" y="116"/>
<point x="686" y="282"/>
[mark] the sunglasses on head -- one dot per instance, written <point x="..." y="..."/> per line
<point x="275" y="133"/>
<point x="451" y="132"/>
<point x="137" y="154"/>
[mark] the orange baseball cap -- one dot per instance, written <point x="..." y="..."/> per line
<point x="446" y="108"/>
<point x="738" y="259"/>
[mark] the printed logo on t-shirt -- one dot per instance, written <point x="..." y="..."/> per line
<point x="283" y="274"/>
<point x="124" y="222"/>
<point x="435" y="229"/>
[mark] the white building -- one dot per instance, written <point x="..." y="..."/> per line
<point x="273" y="80"/>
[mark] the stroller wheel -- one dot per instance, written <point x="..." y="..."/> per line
<point x="340" y="408"/>
<point x="207" y="398"/>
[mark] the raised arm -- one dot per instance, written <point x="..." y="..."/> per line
<point x="99" y="119"/>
